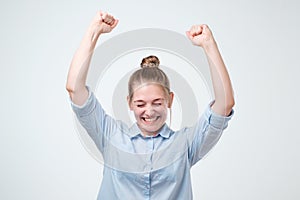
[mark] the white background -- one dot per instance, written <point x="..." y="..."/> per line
<point x="40" y="151"/>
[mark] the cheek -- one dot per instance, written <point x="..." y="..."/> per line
<point x="137" y="112"/>
<point x="162" y="111"/>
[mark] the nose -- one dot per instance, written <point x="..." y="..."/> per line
<point x="149" y="110"/>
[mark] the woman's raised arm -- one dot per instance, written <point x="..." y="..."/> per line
<point x="201" y="35"/>
<point x="76" y="80"/>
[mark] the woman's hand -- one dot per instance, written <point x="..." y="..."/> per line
<point x="103" y="22"/>
<point x="201" y="35"/>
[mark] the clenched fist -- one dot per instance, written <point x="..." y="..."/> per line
<point x="104" y="22"/>
<point x="200" y="35"/>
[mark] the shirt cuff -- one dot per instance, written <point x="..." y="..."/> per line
<point x="86" y="106"/>
<point x="217" y="120"/>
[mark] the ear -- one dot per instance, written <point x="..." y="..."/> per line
<point x="171" y="97"/>
<point x="129" y="103"/>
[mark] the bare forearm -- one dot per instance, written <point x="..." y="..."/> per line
<point x="77" y="75"/>
<point x="224" y="99"/>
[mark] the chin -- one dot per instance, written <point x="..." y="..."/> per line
<point x="151" y="130"/>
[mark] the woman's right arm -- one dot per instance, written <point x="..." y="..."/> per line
<point x="76" y="80"/>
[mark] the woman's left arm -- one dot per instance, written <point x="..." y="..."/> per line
<point x="201" y="35"/>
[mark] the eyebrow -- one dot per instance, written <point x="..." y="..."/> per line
<point x="142" y="101"/>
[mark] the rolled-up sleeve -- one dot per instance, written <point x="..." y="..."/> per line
<point x="206" y="133"/>
<point x="216" y="120"/>
<point x="86" y="108"/>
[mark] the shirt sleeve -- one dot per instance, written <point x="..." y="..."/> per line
<point x="94" y="120"/>
<point x="206" y="133"/>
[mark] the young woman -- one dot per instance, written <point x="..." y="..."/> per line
<point x="149" y="160"/>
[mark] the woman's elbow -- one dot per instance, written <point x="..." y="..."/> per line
<point x="229" y="106"/>
<point x="70" y="89"/>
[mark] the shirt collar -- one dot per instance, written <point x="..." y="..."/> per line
<point x="135" y="131"/>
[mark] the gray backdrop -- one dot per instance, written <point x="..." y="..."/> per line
<point x="42" y="156"/>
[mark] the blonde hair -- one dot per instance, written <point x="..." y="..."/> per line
<point x="150" y="73"/>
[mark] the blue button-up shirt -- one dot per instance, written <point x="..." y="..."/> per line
<point x="138" y="167"/>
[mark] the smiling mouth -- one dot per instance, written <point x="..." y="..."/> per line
<point x="150" y="120"/>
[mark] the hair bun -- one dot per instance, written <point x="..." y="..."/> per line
<point x="150" y="61"/>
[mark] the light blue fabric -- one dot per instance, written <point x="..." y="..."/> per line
<point x="138" y="167"/>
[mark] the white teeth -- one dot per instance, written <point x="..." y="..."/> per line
<point x="150" y="119"/>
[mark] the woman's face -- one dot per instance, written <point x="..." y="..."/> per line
<point x="150" y="106"/>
